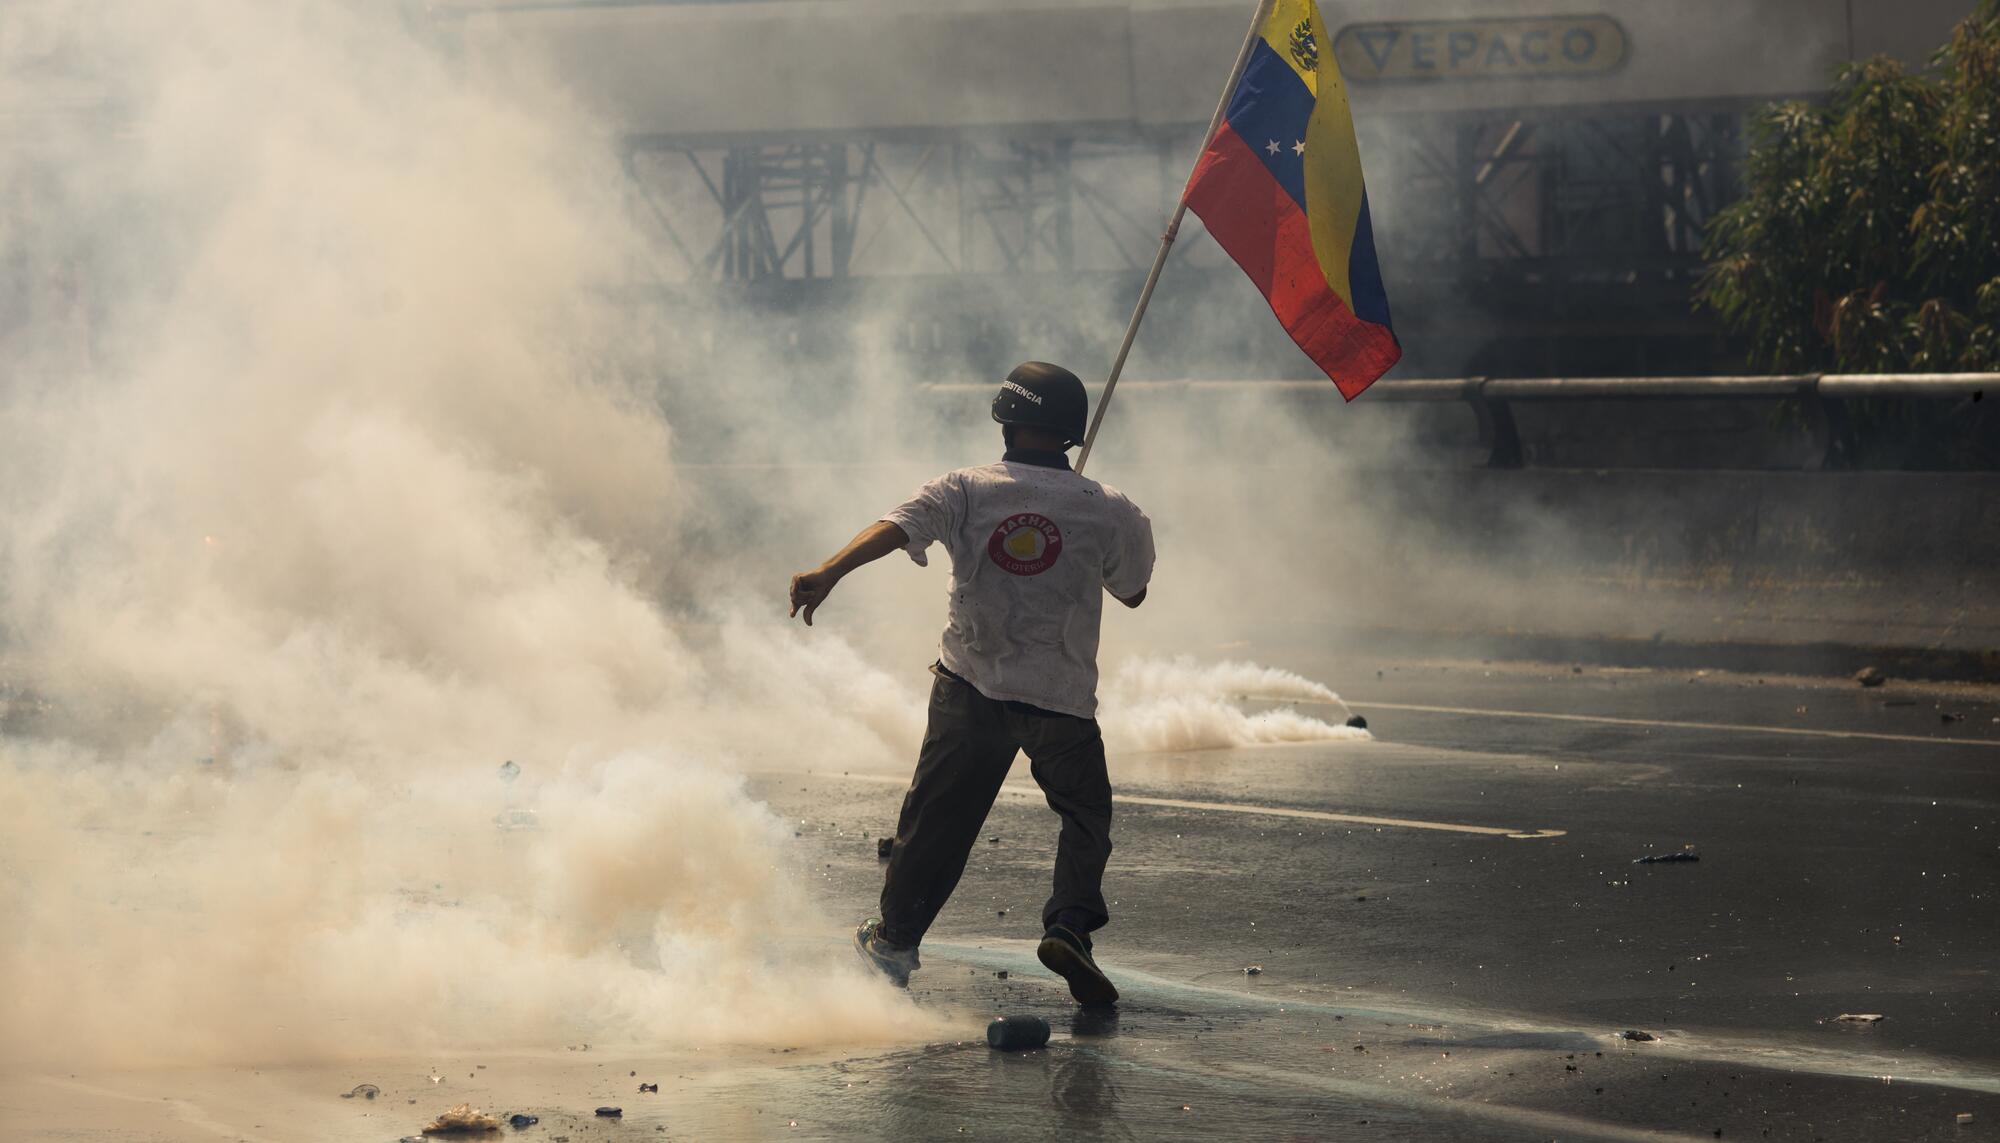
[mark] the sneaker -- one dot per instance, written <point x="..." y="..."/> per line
<point x="1066" y="952"/>
<point x="892" y="961"/>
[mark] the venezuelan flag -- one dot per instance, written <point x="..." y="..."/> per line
<point x="1280" y="188"/>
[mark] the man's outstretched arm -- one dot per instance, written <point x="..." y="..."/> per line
<point x="810" y="589"/>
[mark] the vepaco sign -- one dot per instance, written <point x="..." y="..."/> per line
<point x="1480" y="49"/>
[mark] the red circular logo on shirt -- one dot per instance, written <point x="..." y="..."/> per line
<point x="1026" y="544"/>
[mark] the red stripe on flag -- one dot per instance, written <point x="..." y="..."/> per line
<point x="1257" y="223"/>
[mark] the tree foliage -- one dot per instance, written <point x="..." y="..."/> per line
<point x="1868" y="236"/>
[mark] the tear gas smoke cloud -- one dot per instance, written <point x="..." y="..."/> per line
<point x="348" y="496"/>
<point x="330" y="481"/>
<point x="1176" y="704"/>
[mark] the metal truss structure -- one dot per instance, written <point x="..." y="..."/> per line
<point x="1558" y="230"/>
<point x="1599" y="197"/>
<point x="954" y="206"/>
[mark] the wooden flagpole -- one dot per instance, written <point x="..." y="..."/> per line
<point x="1173" y="230"/>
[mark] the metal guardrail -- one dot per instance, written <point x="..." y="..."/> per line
<point x="1491" y="399"/>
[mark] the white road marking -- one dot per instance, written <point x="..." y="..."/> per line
<point x="1781" y="1052"/>
<point x="1740" y="728"/>
<point x="1023" y="790"/>
<point x="1538" y="1120"/>
<point x="189" y="1111"/>
<point x="1325" y="816"/>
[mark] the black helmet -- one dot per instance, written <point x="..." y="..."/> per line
<point x="1044" y="396"/>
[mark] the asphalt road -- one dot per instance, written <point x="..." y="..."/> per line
<point x="1468" y="971"/>
<point x="1449" y="932"/>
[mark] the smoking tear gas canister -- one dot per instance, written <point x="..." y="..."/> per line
<point x="1017" y="1033"/>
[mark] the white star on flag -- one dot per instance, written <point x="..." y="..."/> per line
<point x="1271" y="147"/>
<point x="1299" y="148"/>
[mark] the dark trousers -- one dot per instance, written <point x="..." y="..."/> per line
<point x="967" y="751"/>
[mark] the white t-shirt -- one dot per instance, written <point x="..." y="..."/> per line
<point x="1033" y="549"/>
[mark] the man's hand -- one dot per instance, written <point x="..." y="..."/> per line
<point x="810" y="589"/>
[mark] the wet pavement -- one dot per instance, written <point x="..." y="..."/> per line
<point x="1450" y="934"/>
<point x="1418" y="981"/>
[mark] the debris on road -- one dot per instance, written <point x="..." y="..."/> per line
<point x="1950" y="716"/>
<point x="1870" y="677"/>
<point x="522" y="1122"/>
<point x="1637" y="1036"/>
<point x="364" y="1090"/>
<point x="1676" y="857"/>
<point x="1002" y="974"/>
<point x="610" y="1112"/>
<point x="884" y="846"/>
<point x="463" y="1120"/>
<point x="652" y="1087"/>
<point x="1358" y="722"/>
<point x="1964" y="1117"/>
<point x="1017" y="1033"/>
<point x="509" y="771"/>
<point x="1253" y="970"/>
<point x="1858" y="1018"/>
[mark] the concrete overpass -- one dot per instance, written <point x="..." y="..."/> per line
<point x="1546" y="170"/>
<point x="739" y="71"/>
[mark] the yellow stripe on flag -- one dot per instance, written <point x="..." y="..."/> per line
<point x="1290" y="32"/>
<point x="1332" y="161"/>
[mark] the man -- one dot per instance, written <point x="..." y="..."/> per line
<point x="1032" y="544"/>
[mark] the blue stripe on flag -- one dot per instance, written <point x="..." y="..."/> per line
<point x="1269" y="112"/>
<point x="1364" y="273"/>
